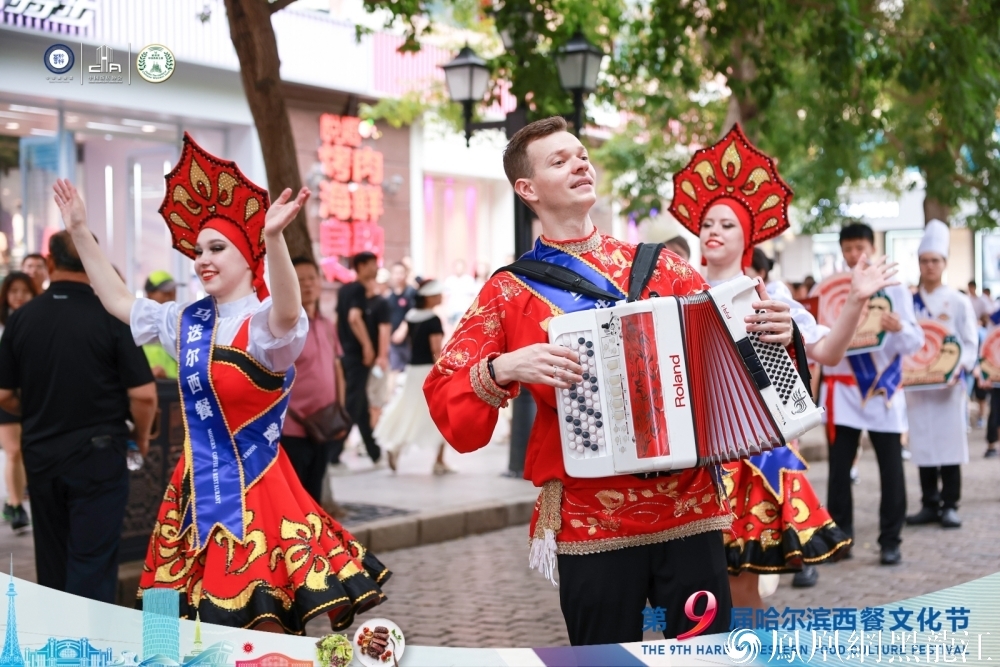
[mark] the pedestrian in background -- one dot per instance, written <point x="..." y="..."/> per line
<point x="81" y="377"/>
<point x="318" y="392"/>
<point x="18" y="289"/>
<point x="407" y="420"/>
<point x="161" y="288"/>
<point x="35" y="266"/>
<point x="357" y="329"/>
<point x="378" y="317"/>
<point x="401" y="298"/>
<point x="679" y="246"/>
<point x="938" y="417"/>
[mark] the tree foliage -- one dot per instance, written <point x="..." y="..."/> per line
<point x="838" y="91"/>
<point x="536" y="29"/>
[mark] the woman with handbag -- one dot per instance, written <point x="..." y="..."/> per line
<point x="316" y="418"/>
<point x="236" y="534"/>
<point x="407" y="420"/>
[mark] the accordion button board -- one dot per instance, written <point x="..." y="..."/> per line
<point x="675" y="382"/>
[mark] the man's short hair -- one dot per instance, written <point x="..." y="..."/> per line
<point x="679" y="242"/>
<point x="515" y="156"/>
<point x="63" y="252"/>
<point x="302" y="259"/>
<point x="34" y="255"/>
<point x="972" y="283"/>
<point x="363" y="258"/>
<point x="856" y="231"/>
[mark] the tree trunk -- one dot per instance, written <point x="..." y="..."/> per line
<point x="935" y="209"/>
<point x="257" y="49"/>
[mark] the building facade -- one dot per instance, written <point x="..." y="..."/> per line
<point x="446" y="207"/>
<point x="161" y="624"/>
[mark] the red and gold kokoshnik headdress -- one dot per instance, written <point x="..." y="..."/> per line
<point x="735" y="173"/>
<point x="205" y="192"/>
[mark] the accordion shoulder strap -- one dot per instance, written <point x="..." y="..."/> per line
<point x="558" y="276"/>
<point x="643" y="265"/>
<point x="801" y="362"/>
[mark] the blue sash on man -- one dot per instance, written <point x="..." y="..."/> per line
<point x="222" y="464"/>
<point x="870" y="380"/>
<point x="568" y="302"/>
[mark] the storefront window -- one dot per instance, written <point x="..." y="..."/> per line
<point x="117" y="161"/>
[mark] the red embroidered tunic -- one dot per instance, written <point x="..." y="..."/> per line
<point x="593" y="514"/>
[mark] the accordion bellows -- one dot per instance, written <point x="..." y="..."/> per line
<point x="676" y="382"/>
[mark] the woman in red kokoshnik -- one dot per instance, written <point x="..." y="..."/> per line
<point x="237" y="535"/>
<point x="732" y="197"/>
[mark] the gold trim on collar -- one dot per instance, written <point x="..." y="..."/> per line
<point x="589" y="244"/>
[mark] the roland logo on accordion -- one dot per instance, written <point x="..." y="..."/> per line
<point x="676" y="382"/>
<point x="679" y="392"/>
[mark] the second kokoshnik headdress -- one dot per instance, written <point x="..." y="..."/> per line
<point x="735" y="173"/>
<point x="206" y="192"/>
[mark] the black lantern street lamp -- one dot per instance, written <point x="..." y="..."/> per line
<point x="579" y="63"/>
<point x="467" y="77"/>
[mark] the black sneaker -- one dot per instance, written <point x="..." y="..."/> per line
<point x="891" y="556"/>
<point x="20" y="520"/>
<point x="992" y="453"/>
<point x="925" y="516"/>
<point x="806" y="577"/>
<point x="8" y="512"/>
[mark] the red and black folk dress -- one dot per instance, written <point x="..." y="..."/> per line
<point x="274" y="555"/>
<point x="779" y="525"/>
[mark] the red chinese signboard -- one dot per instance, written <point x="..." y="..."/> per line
<point x="350" y="197"/>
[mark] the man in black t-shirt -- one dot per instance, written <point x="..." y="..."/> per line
<point x="80" y="376"/>
<point x="359" y="317"/>
<point x="401" y="298"/>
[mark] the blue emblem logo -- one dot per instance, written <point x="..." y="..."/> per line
<point x="59" y="58"/>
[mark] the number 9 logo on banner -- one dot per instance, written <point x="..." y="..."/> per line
<point x="702" y="620"/>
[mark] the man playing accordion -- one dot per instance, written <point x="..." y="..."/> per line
<point x="619" y="541"/>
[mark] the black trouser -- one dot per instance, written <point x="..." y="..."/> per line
<point x="309" y="461"/>
<point x="950" y="491"/>
<point x="356" y="404"/>
<point x="839" y="497"/>
<point x="993" y="423"/>
<point x="602" y="595"/>
<point x="78" y="518"/>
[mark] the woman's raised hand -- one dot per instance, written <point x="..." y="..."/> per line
<point x="70" y="203"/>
<point x="868" y="277"/>
<point x="282" y="212"/>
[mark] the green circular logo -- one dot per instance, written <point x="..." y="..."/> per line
<point x="155" y="63"/>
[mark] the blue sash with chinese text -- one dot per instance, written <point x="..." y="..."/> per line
<point x="568" y="302"/>
<point x="870" y="381"/>
<point x="223" y="464"/>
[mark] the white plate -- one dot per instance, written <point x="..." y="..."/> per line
<point x="395" y="637"/>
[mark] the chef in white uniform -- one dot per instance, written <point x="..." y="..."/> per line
<point x="938" y="417"/>
<point x="862" y="393"/>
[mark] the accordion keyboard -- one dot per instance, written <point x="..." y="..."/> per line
<point x="581" y="408"/>
<point x="778" y="366"/>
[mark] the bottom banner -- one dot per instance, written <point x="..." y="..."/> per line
<point x="47" y="628"/>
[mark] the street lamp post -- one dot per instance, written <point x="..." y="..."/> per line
<point x="467" y="77"/>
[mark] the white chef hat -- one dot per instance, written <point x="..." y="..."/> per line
<point x="936" y="239"/>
